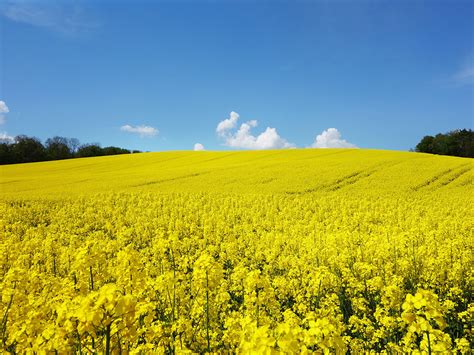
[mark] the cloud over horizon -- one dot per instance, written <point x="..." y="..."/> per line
<point x="199" y="147"/>
<point x="331" y="138"/>
<point x="5" y="138"/>
<point x="243" y="137"/>
<point x="142" y="130"/>
<point x="3" y="111"/>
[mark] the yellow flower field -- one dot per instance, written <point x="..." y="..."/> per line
<point x="286" y="251"/>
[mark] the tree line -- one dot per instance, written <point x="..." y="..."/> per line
<point x="24" y="149"/>
<point x="459" y="143"/>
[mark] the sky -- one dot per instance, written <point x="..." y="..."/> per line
<point x="226" y="75"/>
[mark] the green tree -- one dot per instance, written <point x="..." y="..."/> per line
<point x="114" y="151"/>
<point x="89" y="150"/>
<point x="426" y="145"/>
<point x="58" y="148"/>
<point x="457" y="143"/>
<point x="5" y="153"/>
<point x="28" y="149"/>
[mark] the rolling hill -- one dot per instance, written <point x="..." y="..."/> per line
<point x="285" y="251"/>
<point x="296" y="171"/>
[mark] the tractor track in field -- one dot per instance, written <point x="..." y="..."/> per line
<point x="465" y="182"/>
<point x="432" y="180"/>
<point x="9" y="182"/>
<point x="160" y="181"/>
<point x="348" y="180"/>
<point x="338" y="184"/>
<point x="443" y="178"/>
<point x="455" y="176"/>
<point x="212" y="159"/>
<point x="359" y="175"/>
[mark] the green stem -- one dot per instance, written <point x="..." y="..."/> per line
<point x="107" y="340"/>
<point x="91" y="278"/>
<point x="207" y="314"/>
<point x="5" y="317"/>
<point x="429" y="344"/>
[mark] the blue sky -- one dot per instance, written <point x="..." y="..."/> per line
<point x="164" y="75"/>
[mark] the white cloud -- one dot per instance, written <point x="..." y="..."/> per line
<point x="3" y="107"/>
<point x="226" y="125"/>
<point x="243" y="137"/>
<point x="5" y="138"/>
<point x="331" y="138"/>
<point x="143" y="131"/>
<point x="199" y="147"/>
<point x="3" y="111"/>
<point x="465" y="76"/>
<point x="60" y="16"/>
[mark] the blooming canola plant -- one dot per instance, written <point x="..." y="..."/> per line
<point x="291" y="251"/>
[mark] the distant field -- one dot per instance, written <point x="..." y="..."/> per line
<point x="290" y="251"/>
<point x="297" y="171"/>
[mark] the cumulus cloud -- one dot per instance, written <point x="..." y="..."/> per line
<point x="226" y="125"/>
<point x="331" y="138"/>
<point x="3" y="107"/>
<point x="243" y="137"/>
<point x="5" y="138"/>
<point x="142" y="131"/>
<point x="3" y="111"/>
<point x="199" y="147"/>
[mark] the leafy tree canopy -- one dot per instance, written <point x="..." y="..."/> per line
<point x="459" y="143"/>
<point x="24" y="149"/>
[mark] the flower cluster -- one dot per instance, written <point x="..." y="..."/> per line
<point x="341" y="269"/>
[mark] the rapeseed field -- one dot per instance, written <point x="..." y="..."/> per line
<point x="286" y="251"/>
